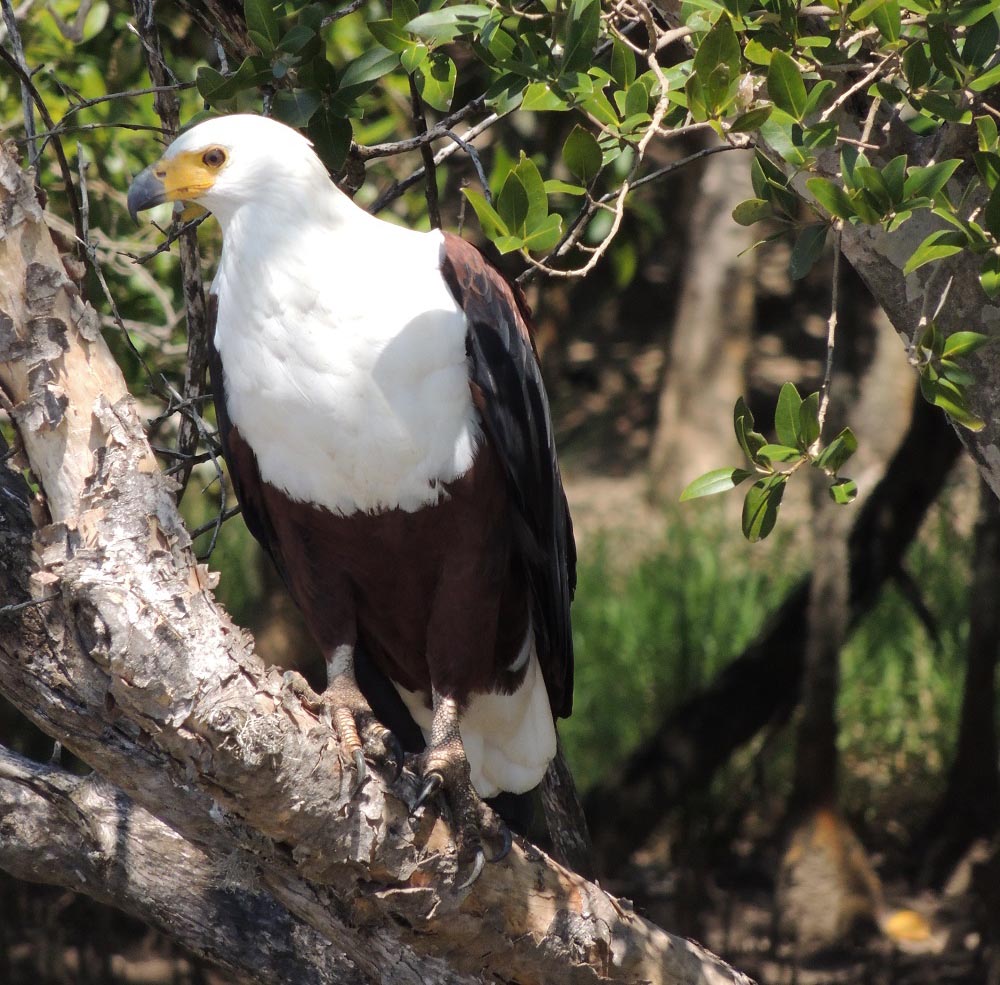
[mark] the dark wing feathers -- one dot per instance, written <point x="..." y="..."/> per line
<point x="510" y="396"/>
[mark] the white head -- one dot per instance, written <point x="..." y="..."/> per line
<point x="225" y="163"/>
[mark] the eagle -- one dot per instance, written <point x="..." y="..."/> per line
<point x="387" y="433"/>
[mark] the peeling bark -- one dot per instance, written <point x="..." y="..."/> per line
<point x="137" y="670"/>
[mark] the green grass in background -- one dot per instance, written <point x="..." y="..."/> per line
<point x="652" y="634"/>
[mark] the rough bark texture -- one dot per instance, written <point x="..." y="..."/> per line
<point x="85" y="834"/>
<point x="762" y="684"/>
<point x="134" y="667"/>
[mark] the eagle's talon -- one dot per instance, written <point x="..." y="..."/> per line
<point x="360" y="770"/>
<point x="432" y="783"/>
<point x="478" y="864"/>
<point x="506" y="842"/>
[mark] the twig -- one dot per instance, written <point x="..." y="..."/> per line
<point x="397" y="188"/>
<point x="426" y="136"/>
<point x="216" y="523"/>
<point x="476" y="163"/>
<point x="831" y="334"/>
<point x="43" y="112"/>
<point x="342" y="12"/>
<point x="196" y="365"/>
<point x="844" y="96"/>
<point x="29" y="114"/>
<point x="10" y="610"/>
<point x="430" y="173"/>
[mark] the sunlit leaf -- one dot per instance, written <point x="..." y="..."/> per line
<point x="716" y="481"/>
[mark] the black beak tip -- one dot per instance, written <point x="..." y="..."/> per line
<point x="145" y="191"/>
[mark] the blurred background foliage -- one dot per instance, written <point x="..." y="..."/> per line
<point x="638" y="356"/>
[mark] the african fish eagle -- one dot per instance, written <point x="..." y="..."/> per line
<point x="388" y="437"/>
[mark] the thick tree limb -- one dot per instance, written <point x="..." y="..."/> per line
<point x="86" y="835"/>
<point x="137" y="670"/>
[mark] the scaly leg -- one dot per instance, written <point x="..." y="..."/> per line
<point x="345" y="709"/>
<point x="445" y="767"/>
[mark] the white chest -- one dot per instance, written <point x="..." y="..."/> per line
<point x="345" y="370"/>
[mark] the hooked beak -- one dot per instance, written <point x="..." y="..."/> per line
<point x="147" y="189"/>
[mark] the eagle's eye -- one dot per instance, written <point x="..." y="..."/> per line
<point x="214" y="157"/>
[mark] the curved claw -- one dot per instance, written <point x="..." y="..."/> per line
<point x="395" y="749"/>
<point x="478" y="864"/>
<point x="360" y="769"/>
<point x="505" y="846"/>
<point x="432" y="783"/>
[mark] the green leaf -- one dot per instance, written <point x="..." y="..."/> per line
<point x="894" y="176"/>
<point x="809" y="420"/>
<point x="492" y="224"/>
<point x="295" y="106"/>
<point x="262" y="23"/>
<point x="715" y="71"/>
<point x="779" y="453"/>
<point x="545" y="234"/>
<point x="368" y="68"/>
<point x="837" y="452"/>
<point x="527" y="173"/>
<point x="622" y="63"/>
<point x="331" y="136"/>
<point x="751" y="211"/>
<point x="832" y="197"/>
<point x="928" y="181"/>
<point x="844" y="491"/>
<point x="750" y="441"/>
<point x="989" y="137"/>
<point x="750" y="121"/>
<point x="512" y="204"/>
<point x="865" y="9"/>
<point x="760" y="508"/>
<point x="554" y="186"/>
<point x="215" y="87"/>
<point x="716" y="481"/>
<point x="951" y="399"/>
<point x="786" y="416"/>
<point x="887" y="19"/>
<point x="962" y="343"/>
<point x="989" y="276"/>
<point x="981" y="43"/>
<point x="582" y="34"/>
<point x="540" y="97"/>
<point x="757" y="53"/>
<point x="937" y="246"/>
<point x="808" y="249"/>
<point x="819" y="96"/>
<point x="436" y="81"/>
<point x="988" y="165"/>
<point x="916" y="65"/>
<point x="785" y="85"/>
<point x="449" y="23"/>
<point x="987" y="80"/>
<point x="582" y="154"/>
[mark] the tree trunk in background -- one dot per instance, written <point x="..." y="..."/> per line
<point x="710" y="339"/>
<point x="827" y="619"/>
<point x="970" y="806"/>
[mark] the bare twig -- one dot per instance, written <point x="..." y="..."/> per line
<point x="196" y="365"/>
<point x="831" y="334"/>
<point x="440" y="130"/>
<point x="26" y="97"/>
<point x="43" y="111"/>
<point x="430" y="173"/>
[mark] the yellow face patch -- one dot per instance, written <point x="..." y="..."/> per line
<point x="190" y="174"/>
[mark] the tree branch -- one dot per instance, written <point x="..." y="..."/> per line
<point x="85" y="835"/>
<point x="138" y="671"/>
